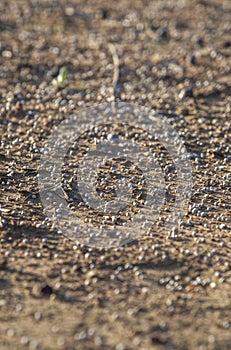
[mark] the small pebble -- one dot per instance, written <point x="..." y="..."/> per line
<point x="47" y="290"/>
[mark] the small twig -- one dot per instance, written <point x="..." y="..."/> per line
<point x="150" y="33"/>
<point x="116" y="68"/>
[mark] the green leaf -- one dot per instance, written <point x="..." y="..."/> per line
<point x="63" y="74"/>
<point x="60" y="79"/>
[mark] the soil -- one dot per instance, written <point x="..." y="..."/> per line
<point x="160" y="291"/>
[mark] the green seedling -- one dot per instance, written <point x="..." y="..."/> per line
<point x="61" y="78"/>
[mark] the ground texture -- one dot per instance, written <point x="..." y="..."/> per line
<point x="159" y="292"/>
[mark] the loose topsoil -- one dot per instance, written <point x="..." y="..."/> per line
<point x="162" y="291"/>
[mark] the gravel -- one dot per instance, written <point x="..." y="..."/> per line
<point x="168" y="289"/>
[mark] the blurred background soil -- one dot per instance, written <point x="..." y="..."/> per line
<point x="158" y="292"/>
